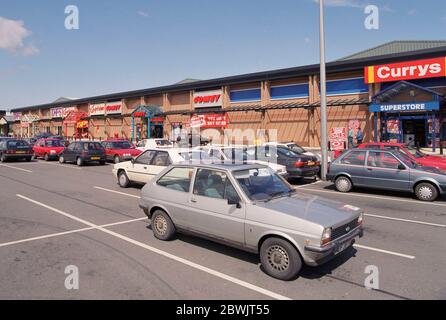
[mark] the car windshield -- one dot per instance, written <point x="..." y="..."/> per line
<point x="198" y="155"/>
<point x="54" y="143"/>
<point x="92" y="146"/>
<point x="163" y="142"/>
<point x="404" y="158"/>
<point x="296" y="148"/>
<point x="121" y="145"/>
<point x="262" y="184"/>
<point x="416" y="153"/>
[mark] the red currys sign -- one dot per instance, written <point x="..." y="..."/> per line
<point x="419" y="69"/>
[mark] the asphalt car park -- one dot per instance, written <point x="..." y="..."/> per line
<point x="53" y="216"/>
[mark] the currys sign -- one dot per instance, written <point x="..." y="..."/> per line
<point x="113" y="108"/>
<point x="206" y="99"/>
<point x="419" y="69"/>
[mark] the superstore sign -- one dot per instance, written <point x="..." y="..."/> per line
<point x="419" y="69"/>
<point x="401" y="107"/>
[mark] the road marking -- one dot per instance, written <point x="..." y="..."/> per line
<point x="376" y="197"/>
<point x="385" y="251"/>
<point x="16" y="168"/>
<point x="406" y="220"/>
<point x="113" y="191"/>
<point x="59" y="165"/>
<point x="165" y="254"/>
<point x="68" y="232"/>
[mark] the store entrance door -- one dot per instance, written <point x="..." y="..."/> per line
<point x="414" y="132"/>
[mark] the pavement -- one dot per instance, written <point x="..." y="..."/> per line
<point x="54" y="217"/>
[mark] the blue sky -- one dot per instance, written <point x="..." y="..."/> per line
<point x="134" y="44"/>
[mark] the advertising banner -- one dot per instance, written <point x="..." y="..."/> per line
<point x="209" y="121"/>
<point x="338" y="138"/>
<point x="56" y="113"/>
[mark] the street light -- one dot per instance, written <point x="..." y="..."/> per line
<point x="323" y="94"/>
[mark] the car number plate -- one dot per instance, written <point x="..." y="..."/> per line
<point x="342" y="247"/>
<point x="311" y="163"/>
<point x="20" y="152"/>
<point x="95" y="158"/>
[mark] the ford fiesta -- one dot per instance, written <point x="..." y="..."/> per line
<point x="250" y="207"/>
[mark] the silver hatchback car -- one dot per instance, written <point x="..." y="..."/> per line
<point x="252" y="208"/>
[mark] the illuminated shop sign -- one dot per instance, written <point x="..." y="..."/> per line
<point x="419" y="69"/>
<point x="100" y="109"/>
<point x="401" y="107"/>
<point x="206" y="99"/>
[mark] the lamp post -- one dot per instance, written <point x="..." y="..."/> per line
<point x="323" y="93"/>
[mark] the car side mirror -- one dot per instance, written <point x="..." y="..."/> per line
<point x="401" y="167"/>
<point x="234" y="201"/>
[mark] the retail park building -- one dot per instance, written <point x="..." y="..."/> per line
<point x="393" y="92"/>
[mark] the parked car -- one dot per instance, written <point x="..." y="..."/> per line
<point x="151" y="162"/>
<point x="48" y="149"/>
<point x="296" y="148"/>
<point x="2" y="138"/>
<point x="30" y="141"/>
<point x="387" y="170"/>
<point x="243" y="154"/>
<point x="255" y="210"/>
<point x="413" y="153"/>
<point x="82" y="152"/>
<point x="64" y="141"/>
<point x="15" y="149"/>
<point x="120" y="150"/>
<point x="153" y="143"/>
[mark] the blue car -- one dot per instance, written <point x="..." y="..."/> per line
<point x="386" y="170"/>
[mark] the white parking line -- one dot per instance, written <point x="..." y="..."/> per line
<point x="385" y="251"/>
<point x="68" y="232"/>
<point x="165" y="254"/>
<point x="406" y="220"/>
<point x="375" y="197"/>
<point x="60" y="165"/>
<point x="16" y="168"/>
<point x="121" y="193"/>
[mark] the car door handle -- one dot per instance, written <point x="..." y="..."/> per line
<point x="193" y="200"/>
<point x="145" y="168"/>
<point x="370" y="169"/>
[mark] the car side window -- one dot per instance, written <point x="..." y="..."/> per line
<point x="382" y="160"/>
<point x="145" y="158"/>
<point x="178" y="179"/>
<point x="162" y="159"/>
<point x="214" y="184"/>
<point x="354" y="158"/>
<point x="71" y="146"/>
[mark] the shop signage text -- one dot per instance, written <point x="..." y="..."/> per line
<point x="401" y="107"/>
<point x="206" y="99"/>
<point x="17" y="116"/>
<point x="113" y="108"/>
<point x="97" y="109"/>
<point x="56" y="113"/>
<point x="101" y="109"/>
<point x="338" y="137"/>
<point x="209" y="121"/>
<point x="419" y="69"/>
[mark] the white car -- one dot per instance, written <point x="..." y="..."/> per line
<point x="228" y="153"/>
<point x="153" y="143"/>
<point x="151" y="162"/>
<point x="296" y="148"/>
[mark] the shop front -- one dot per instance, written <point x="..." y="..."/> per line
<point x="147" y="123"/>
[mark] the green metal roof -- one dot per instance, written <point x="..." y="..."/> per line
<point x="396" y="47"/>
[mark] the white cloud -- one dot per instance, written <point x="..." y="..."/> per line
<point x="12" y="36"/>
<point x="143" y="14"/>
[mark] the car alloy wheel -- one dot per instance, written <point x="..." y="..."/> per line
<point x="343" y="184"/>
<point x="61" y="159"/>
<point x="278" y="258"/>
<point x="123" y="180"/>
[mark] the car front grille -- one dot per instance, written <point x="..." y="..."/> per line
<point x="343" y="230"/>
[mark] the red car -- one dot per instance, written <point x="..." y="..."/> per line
<point x="120" y="150"/>
<point x="48" y="149"/>
<point x="416" y="155"/>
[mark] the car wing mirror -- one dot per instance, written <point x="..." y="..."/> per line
<point x="401" y="167"/>
<point x="234" y="201"/>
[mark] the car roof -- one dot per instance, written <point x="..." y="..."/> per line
<point x="396" y="144"/>
<point x="228" y="165"/>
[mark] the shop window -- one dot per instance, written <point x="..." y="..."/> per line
<point x="246" y="95"/>
<point x="290" y="91"/>
<point x="347" y="86"/>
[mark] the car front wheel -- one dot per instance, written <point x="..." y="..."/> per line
<point x="3" y="158"/>
<point x="61" y="159"/>
<point x="343" y="184"/>
<point x="280" y="259"/>
<point x="46" y="157"/>
<point x="426" y="192"/>
<point x="123" y="180"/>
<point x="162" y="226"/>
<point x="80" y="162"/>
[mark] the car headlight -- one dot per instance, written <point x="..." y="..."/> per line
<point x="360" y="218"/>
<point x="326" y="236"/>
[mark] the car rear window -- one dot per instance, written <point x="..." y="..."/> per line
<point x="354" y="158"/>
<point x="17" y="143"/>
<point x="178" y="179"/>
<point x="92" y="146"/>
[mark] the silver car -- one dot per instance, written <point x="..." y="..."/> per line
<point x="387" y="170"/>
<point x="250" y="207"/>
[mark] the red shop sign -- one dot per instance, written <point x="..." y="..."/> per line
<point x="209" y="121"/>
<point x="140" y="114"/>
<point x="157" y="119"/>
<point x="419" y="69"/>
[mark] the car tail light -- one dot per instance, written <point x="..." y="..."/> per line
<point x="10" y="151"/>
<point x="299" y="164"/>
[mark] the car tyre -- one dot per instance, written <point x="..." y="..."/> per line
<point x="3" y="158"/>
<point x="116" y="159"/>
<point x="28" y="159"/>
<point x="61" y="159"/>
<point x="102" y="163"/>
<point x="426" y="192"/>
<point x="343" y="184"/>
<point x="123" y="180"/>
<point x="162" y="226"/>
<point x="46" y="157"/>
<point x="280" y="259"/>
<point x="79" y="162"/>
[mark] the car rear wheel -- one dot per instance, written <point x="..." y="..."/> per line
<point x="123" y="180"/>
<point x="46" y="157"/>
<point x="28" y="159"/>
<point x="343" y="184"/>
<point x="3" y="158"/>
<point x="61" y="159"/>
<point x="426" y="192"/>
<point x="162" y="226"/>
<point x="80" y="162"/>
<point x="280" y="259"/>
<point x="116" y="159"/>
